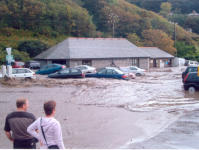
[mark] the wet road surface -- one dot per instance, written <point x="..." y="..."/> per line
<point x="147" y="112"/>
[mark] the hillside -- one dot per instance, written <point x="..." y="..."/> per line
<point x="50" y="21"/>
<point x="180" y="6"/>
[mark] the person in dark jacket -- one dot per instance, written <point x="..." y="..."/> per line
<point x="16" y="126"/>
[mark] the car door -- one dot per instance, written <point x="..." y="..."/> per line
<point x="74" y="73"/>
<point x="133" y="69"/>
<point x="109" y="73"/>
<point x="65" y="73"/>
<point x="21" y="73"/>
<point x="102" y="74"/>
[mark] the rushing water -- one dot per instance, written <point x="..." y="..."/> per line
<point x="148" y="112"/>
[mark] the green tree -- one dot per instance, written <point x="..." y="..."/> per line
<point x="132" y="37"/>
<point x="33" y="48"/>
<point x="165" y="9"/>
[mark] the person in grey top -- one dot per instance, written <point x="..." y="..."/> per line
<point x="16" y="126"/>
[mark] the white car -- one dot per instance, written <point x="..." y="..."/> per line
<point x="23" y="73"/>
<point x="133" y="69"/>
<point x="86" y="69"/>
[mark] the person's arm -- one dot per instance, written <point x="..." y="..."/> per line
<point x="8" y="134"/>
<point x="33" y="129"/>
<point x="58" y="136"/>
<point x="7" y="129"/>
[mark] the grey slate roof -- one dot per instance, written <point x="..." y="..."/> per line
<point x="155" y="52"/>
<point x="93" y="48"/>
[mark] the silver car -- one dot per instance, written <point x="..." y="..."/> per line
<point x="86" y="69"/>
<point x="133" y="69"/>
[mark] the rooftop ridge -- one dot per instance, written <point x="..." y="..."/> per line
<point x="97" y="38"/>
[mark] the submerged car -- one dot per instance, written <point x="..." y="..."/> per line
<point x="51" y="68"/>
<point x="133" y="69"/>
<point x="68" y="73"/>
<point x="86" y="68"/>
<point x="109" y="72"/>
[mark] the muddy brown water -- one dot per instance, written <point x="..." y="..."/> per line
<point x="147" y="112"/>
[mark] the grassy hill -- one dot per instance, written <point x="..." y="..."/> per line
<point x="51" y="21"/>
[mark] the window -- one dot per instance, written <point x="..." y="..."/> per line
<point x="65" y="71"/>
<point x="74" y="71"/>
<point x="103" y="71"/>
<point x="133" y="68"/>
<point x="109" y="71"/>
<point x="21" y="71"/>
<point x="114" y="72"/>
<point x="87" y="62"/>
<point x="193" y="69"/>
<point x="135" y="62"/>
<point x="27" y="71"/>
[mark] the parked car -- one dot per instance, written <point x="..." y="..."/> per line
<point x="32" y="65"/>
<point x="109" y="72"/>
<point x="86" y="69"/>
<point x="133" y="69"/>
<point x="68" y="73"/>
<point x="190" y="78"/>
<point x="18" y="64"/>
<point x="191" y="81"/>
<point x="23" y="73"/>
<point x="189" y="69"/>
<point x="51" y="68"/>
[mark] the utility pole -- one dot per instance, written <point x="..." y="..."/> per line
<point x="113" y="19"/>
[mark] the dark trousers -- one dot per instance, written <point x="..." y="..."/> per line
<point x="24" y="144"/>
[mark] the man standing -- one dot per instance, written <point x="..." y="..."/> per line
<point x="16" y="126"/>
<point x="49" y="129"/>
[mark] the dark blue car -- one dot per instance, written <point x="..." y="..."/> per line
<point x="109" y="72"/>
<point x="67" y="73"/>
<point x="51" y="68"/>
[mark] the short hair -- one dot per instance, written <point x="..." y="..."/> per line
<point x="49" y="106"/>
<point x="20" y="102"/>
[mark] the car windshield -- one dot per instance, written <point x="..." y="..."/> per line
<point x="193" y="69"/>
<point x="65" y="71"/>
<point x="118" y="71"/>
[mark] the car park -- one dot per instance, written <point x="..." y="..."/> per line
<point x="109" y="72"/>
<point x="86" y="69"/>
<point x="68" y="73"/>
<point x="32" y="65"/>
<point x="18" y="64"/>
<point x="51" y="68"/>
<point x="133" y="69"/>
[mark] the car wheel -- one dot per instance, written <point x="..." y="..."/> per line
<point x="138" y="74"/>
<point x="192" y="89"/>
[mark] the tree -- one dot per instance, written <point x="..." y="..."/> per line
<point x="165" y="9"/>
<point x="158" y="39"/>
<point x="134" y="39"/>
<point x="33" y="48"/>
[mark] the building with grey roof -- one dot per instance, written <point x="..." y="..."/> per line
<point x="97" y="52"/>
<point x="158" y="57"/>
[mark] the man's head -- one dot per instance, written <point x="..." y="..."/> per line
<point x="22" y="104"/>
<point x="49" y="108"/>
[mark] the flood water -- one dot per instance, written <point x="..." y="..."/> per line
<point x="152" y="111"/>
